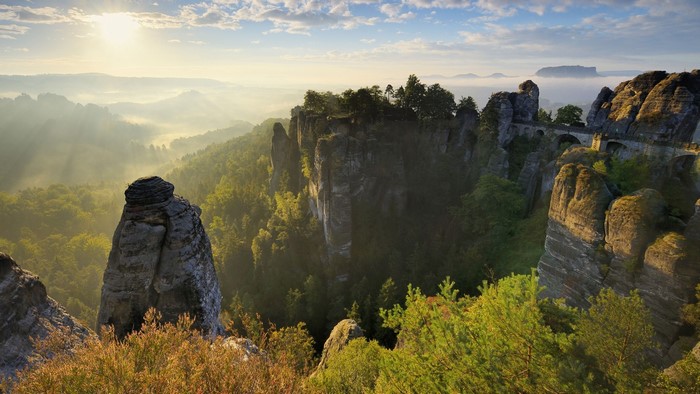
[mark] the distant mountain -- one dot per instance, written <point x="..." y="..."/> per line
<point x="72" y="85"/>
<point x="192" y="144"/>
<point x="181" y="107"/>
<point x="567" y="72"/>
<point x="52" y="140"/>
<point x="186" y="113"/>
<point x="497" y="75"/>
<point x="466" y="76"/>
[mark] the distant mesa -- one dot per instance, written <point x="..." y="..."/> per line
<point x="568" y="72"/>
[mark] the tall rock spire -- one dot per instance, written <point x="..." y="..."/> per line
<point x="161" y="257"/>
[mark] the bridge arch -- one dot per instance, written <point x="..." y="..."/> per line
<point x="616" y="148"/>
<point x="567" y="138"/>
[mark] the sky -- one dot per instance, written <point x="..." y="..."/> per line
<point x="298" y="42"/>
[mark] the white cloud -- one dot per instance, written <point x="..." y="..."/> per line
<point x="16" y="13"/>
<point x="367" y="40"/>
<point x="11" y="31"/>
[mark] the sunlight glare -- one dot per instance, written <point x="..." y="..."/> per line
<point x="117" y="28"/>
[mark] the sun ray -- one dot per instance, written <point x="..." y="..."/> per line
<point x="117" y="28"/>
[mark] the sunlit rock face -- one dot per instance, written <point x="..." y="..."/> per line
<point x="161" y="257"/>
<point x="345" y="331"/>
<point x="27" y="313"/>
<point x="654" y="105"/>
<point x="594" y="241"/>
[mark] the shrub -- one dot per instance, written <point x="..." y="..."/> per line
<point x="170" y="358"/>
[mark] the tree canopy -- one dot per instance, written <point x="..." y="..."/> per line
<point x="569" y="115"/>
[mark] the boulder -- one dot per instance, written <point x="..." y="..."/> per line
<point x="27" y="313"/>
<point x="161" y="257"/>
<point x="343" y="332"/>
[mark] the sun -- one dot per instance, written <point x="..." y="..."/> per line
<point x="117" y="28"/>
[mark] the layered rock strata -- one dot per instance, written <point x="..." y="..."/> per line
<point x="161" y="257"/>
<point x="27" y="314"/>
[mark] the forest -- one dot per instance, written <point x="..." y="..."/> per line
<point x="278" y="290"/>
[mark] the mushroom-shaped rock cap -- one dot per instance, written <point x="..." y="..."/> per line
<point x="149" y="190"/>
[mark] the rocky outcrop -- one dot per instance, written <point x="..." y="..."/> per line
<point x="161" y="257"/>
<point x="26" y="313"/>
<point x="599" y="111"/>
<point x="348" y="163"/>
<point x="654" y="105"/>
<point x="570" y="266"/>
<point x="529" y="177"/>
<point x="631" y="224"/>
<point x="594" y="242"/>
<point x="352" y="166"/>
<point x="520" y="106"/>
<point x="526" y="102"/>
<point x="280" y="156"/>
<point x="343" y="332"/>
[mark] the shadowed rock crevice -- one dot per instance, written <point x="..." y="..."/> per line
<point x="161" y="257"/>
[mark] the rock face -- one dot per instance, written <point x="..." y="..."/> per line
<point x="628" y="247"/>
<point x="347" y="163"/>
<point x="161" y="257"/>
<point x="280" y="156"/>
<point x="654" y="105"/>
<point x="520" y="106"/>
<point x="342" y="333"/>
<point x="27" y="312"/>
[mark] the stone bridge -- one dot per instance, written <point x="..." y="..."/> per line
<point x="625" y="146"/>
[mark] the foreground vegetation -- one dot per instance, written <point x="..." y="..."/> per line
<point x="505" y="340"/>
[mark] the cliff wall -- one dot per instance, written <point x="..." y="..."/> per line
<point x="595" y="241"/>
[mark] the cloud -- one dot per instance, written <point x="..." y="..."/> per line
<point x="367" y="40"/>
<point x="44" y="15"/>
<point x="11" y="31"/>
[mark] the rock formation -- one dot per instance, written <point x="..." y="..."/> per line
<point x="27" y="313"/>
<point x="520" y="106"/>
<point x="654" y="105"/>
<point x="160" y="257"/>
<point x="280" y="156"/>
<point x="594" y="241"/>
<point x="343" y="332"/>
<point x="345" y="163"/>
